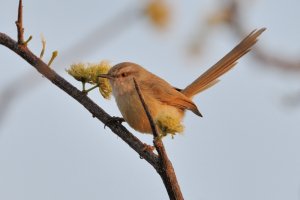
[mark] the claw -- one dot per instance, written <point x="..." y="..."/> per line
<point x="114" y="120"/>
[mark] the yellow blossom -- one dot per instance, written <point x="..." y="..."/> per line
<point x="169" y="124"/>
<point x="104" y="85"/>
<point x="79" y="72"/>
<point x="88" y="73"/>
<point x="95" y="69"/>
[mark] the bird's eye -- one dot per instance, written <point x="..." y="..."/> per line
<point x="124" y="74"/>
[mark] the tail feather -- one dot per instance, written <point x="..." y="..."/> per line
<point x="209" y="78"/>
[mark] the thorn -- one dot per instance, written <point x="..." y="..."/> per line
<point x="43" y="46"/>
<point x="54" y="54"/>
<point x="28" y="40"/>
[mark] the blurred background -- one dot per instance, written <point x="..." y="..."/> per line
<point x="245" y="147"/>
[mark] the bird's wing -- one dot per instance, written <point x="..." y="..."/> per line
<point x="165" y="93"/>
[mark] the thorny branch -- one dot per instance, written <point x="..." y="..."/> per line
<point x="166" y="170"/>
<point x="97" y="112"/>
<point x="161" y="163"/>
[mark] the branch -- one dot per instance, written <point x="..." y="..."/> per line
<point x="166" y="170"/>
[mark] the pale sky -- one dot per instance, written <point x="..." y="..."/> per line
<point x="246" y="147"/>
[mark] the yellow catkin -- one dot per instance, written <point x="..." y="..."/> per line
<point x="169" y="124"/>
<point x="88" y="73"/>
<point x="104" y="85"/>
<point x="79" y="72"/>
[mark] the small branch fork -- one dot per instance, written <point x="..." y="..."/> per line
<point x="20" y="28"/>
<point x="165" y="170"/>
<point x="161" y="163"/>
<point x="81" y="97"/>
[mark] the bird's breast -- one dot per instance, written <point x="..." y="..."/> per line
<point x="134" y="114"/>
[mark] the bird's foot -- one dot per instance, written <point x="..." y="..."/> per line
<point x="114" y="120"/>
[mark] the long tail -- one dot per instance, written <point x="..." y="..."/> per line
<point x="210" y="77"/>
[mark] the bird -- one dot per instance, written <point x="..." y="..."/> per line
<point x="163" y="100"/>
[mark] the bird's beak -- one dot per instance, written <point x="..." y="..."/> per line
<point x="105" y="76"/>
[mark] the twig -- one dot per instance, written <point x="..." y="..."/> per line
<point x="152" y="124"/>
<point x="166" y="170"/>
<point x="19" y="24"/>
